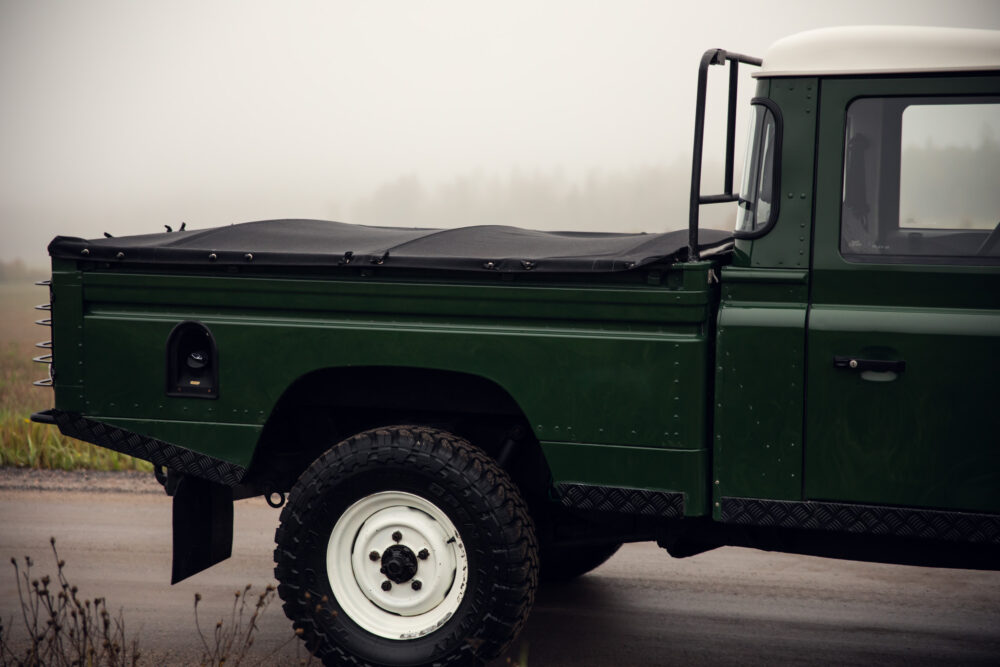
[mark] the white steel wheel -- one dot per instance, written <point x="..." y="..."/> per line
<point x="397" y="565"/>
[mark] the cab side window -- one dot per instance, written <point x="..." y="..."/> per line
<point x="922" y="181"/>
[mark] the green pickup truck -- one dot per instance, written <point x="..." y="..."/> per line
<point x="456" y="414"/>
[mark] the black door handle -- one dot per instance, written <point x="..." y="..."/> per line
<point x="856" y="364"/>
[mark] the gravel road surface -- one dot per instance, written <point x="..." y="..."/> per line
<point x="642" y="608"/>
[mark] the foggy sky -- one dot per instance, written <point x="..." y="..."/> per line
<point x="122" y="116"/>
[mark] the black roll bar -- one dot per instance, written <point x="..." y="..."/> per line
<point x="713" y="57"/>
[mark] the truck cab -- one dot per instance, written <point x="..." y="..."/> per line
<point x="857" y="333"/>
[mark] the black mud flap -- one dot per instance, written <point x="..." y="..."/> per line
<point x="203" y="526"/>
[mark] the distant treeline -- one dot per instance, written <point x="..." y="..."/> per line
<point x="17" y="271"/>
<point x="951" y="186"/>
<point x="651" y="198"/>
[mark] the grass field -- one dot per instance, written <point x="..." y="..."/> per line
<point x="24" y="444"/>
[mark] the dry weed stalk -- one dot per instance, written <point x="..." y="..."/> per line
<point x="230" y="643"/>
<point x="64" y="629"/>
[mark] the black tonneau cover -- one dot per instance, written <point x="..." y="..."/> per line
<point x="321" y="243"/>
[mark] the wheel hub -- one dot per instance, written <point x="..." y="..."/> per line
<point x="399" y="564"/>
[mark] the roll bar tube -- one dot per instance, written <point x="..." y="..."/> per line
<point x="713" y="57"/>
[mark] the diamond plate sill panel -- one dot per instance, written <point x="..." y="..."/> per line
<point x="871" y="519"/>
<point x="155" y="451"/>
<point x="622" y="501"/>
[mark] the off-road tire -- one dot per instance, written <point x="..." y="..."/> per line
<point x="564" y="563"/>
<point x="475" y="494"/>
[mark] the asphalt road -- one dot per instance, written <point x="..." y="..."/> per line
<point x="730" y="606"/>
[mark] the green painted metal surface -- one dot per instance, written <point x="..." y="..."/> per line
<point x="757" y="445"/>
<point x="786" y="245"/>
<point x="925" y="437"/>
<point x="67" y="335"/>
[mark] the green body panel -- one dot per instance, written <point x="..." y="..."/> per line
<point x="633" y="467"/>
<point x="760" y="348"/>
<point x="601" y="362"/>
<point x="786" y="245"/>
<point x="67" y="334"/>
<point x="759" y="384"/>
<point x="927" y="437"/>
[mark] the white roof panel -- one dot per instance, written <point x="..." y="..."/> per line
<point x="882" y="50"/>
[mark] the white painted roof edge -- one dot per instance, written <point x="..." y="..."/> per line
<point x="882" y="50"/>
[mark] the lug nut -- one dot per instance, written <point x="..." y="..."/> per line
<point x="386" y="585"/>
<point x="424" y="554"/>
<point x="397" y="536"/>
<point x="374" y="555"/>
<point x="416" y="585"/>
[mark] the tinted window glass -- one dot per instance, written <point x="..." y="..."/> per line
<point x="920" y="180"/>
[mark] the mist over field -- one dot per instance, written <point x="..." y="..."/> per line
<point x="122" y="117"/>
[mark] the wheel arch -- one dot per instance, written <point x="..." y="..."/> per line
<point x="327" y="405"/>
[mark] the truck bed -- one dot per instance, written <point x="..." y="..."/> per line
<point x="599" y="344"/>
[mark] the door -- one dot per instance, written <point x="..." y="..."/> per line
<point x="903" y="342"/>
